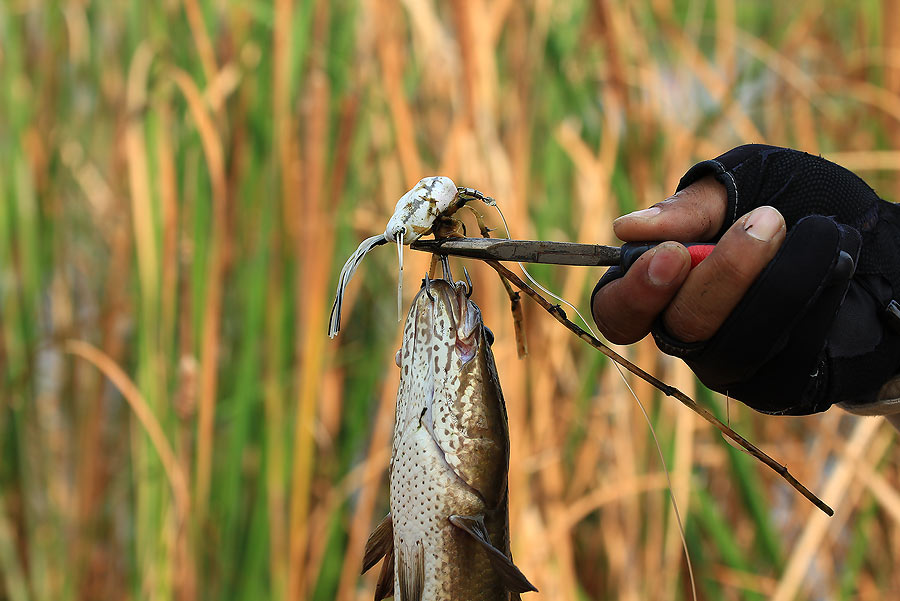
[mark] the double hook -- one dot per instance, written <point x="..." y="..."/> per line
<point x="445" y="265"/>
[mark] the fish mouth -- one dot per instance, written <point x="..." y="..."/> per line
<point x="464" y="315"/>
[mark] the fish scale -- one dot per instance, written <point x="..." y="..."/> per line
<point x="448" y="530"/>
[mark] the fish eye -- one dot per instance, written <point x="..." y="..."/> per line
<point x="397" y="357"/>
<point x="489" y="336"/>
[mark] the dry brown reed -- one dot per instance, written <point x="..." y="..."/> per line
<point x="182" y="181"/>
<point x="176" y="476"/>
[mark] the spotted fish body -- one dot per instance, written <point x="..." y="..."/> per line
<point x="447" y="536"/>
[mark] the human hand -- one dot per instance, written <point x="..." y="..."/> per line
<point x="794" y="309"/>
<point x="693" y="304"/>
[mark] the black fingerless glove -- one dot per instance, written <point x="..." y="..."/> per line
<point x="821" y="324"/>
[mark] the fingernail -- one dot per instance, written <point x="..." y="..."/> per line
<point x="665" y="265"/>
<point x="763" y="223"/>
<point x="643" y="213"/>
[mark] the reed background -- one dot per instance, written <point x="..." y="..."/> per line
<point x="181" y="182"/>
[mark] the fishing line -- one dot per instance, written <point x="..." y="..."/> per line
<point x="536" y="283"/>
<point x="662" y="459"/>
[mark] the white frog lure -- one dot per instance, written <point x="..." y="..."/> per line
<point x="414" y="216"/>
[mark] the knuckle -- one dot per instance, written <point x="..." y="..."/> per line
<point x="687" y="321"/>
<point x="608" y="327"/>
<point x="733" y="267"/>
<point x="705" y="201"/>
<point x="617" y="337"/>
<point x="613" y="324"/>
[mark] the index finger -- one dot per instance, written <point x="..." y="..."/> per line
<point x="693" y="214"/>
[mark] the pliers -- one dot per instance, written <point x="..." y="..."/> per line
<point x="555" y="253"/>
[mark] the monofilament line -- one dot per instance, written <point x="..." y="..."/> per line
<point x="538" y="284"/>
<point x="662" y="459"/>
<point x="702" y="411"/>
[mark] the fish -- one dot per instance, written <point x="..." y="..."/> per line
<point x="447" y="534"/>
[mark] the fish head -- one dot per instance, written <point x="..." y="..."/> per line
<point x="449" y="319"/>
<point x="417" y="210"/>
<point x="449" y="386"/>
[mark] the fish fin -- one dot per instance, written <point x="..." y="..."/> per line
<point x="385" y="586"/>
<point x="380" y="543"/>
<point x="411" y="573"/>
<point x="513" y="579"/>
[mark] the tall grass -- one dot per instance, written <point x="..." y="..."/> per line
<point x="181" y="182"/>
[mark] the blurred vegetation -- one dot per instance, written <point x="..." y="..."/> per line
<point x="180" y="183"/>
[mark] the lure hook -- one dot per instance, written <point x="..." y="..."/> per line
<point x="469" y="287"/>
<point x="445" y="265"/>
<point x="427" y="284"/>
